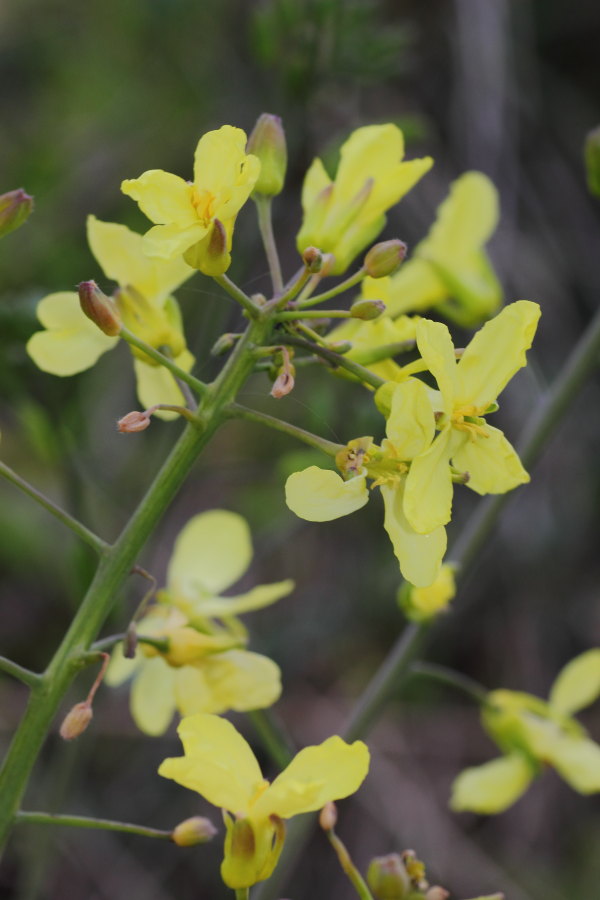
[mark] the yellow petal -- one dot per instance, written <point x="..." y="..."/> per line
<point x="218" y="763"/>
<point x="222" y="168"/>
<point x="212" y="551"/>
<point x="192" y="692"/>
<point x="257" y="598"/>
<point x="170" y="241"/>
<point x="578" y="684"/>
<point x="71" y="343"/>
<point x="157" y="385"/>
<point x="577" y="759"/>
<point x="241" y="680"/>
<point x="320" y="495"/>
<point x="423" y="604"/>
<point x="120" y="668"/>
<point x="316" y="775"/>
<point x="493" y="787"/>
<point x="465" y="220"/>
<point x="153" y="696"/>
<point x="411" y="424"/>
<point x="414" y="288"/>
<point x="163" y="197"/>
<point x="120" y="253"/>
<point x="474" y="292"/>
<point x="492" y="462"/>
<point x="420" y="555"/>
<point x="495" y="353"/>
<point x="436" y="347"/>
<point x="315" y="181"/>
<point x="429" y="488"/>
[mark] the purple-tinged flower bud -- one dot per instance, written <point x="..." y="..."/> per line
<point x="313" y="260"/>
<point x="15" y="209"/>
<point x="328" y="816"/>
<point x="384" y="258"/>
<point x="367" y="309"/>
<point x="267" y="142"/>
<point x="388" y="878"/>
<point x="224" y="344"/>
<point x="133" y="422"/>
<point x="76" y="721"/>
<point x="99" y="308"/>
<point x="190" y="832"/>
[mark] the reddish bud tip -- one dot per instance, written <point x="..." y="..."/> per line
<point x="15" y="209"/>
<point x="99" y="308"/>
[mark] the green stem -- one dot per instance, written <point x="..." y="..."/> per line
<point x="41" y="818"/>
<point x="238" y="295"/>
<point x="386" y="351"/>
<point x="236" y="410"/>
<point x="108" y="643"/>
<point x="336" y="360"/>
<point x="275" y="741"/>
<point x="265" y="224"/>
<point x="112" y="571"/>
<point x="350" y="870"/>
<point x="298" y="315"/>
<point x="26" y="676"/>
<point x="242" y="894"/>
<point x="333" y="292"/>
<point x="70" y="521"/>
<point x="134" y="341"/>
<point x="450" y="678"/>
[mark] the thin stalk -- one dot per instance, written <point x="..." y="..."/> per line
<point x="265" y="225"/>
<point x="348" y="867"/>
<point x="334" y="291"/>
<point x="41" y="818"/>
<point x="386" y="351"/>
<point x="242" y="894"/>
<point x="112" y="571"/>
<point x="274" y="740"/>
<point x="295" y="315"/>
<point x="237" y="411"/>
<point x="336" y="360"/>
<point x="450" y="678"/>
<point x="238" y="295"/>
<point x="180" y="374"/>
<point x="26" y="676"/>
<point x="108" y="643"/>
<point x="100" y="546"/>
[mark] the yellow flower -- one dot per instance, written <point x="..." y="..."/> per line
<point x="531" y="734"/>
<point x="220" y="765"/>
<point x="449" y="269"/>
<point x="319" y="495"/>
<point x="72" y="343"/>
<point x="422" y="604"/>
<point x="196" y="219"/>
<point x="204" y="668"/>
<point x="343" y="216"/>
<point x="467" y="391"/>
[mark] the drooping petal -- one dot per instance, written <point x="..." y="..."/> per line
<point x="170" y="241"/>
<point x="242" y="680"/>
<point x="257" y="598"/>
<point x="316" y="775"/>
<point x="495" y="354"/>
<point x="320" y="495"/>
<point x="436" y="347"/>
<point x="163" y="197"/>
<point x="71" y="342"/>
<point x="577" y="759"/>
<point x="411" y="424"/>
<point x="492" y="462"/>
<point x="420" y="555"/>
<point x="218" y="763"/>
<point x="578" y="684"/>
<point x="429" y="488"/>
<point x="156" y="384"/>
<point x="492" y="787"/>
<point x="212" y="551"/>
<point x="465" y="220"/>
<point x="153" y="696"/>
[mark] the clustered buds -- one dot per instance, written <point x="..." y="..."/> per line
<point x="267" y="142"/>
<point x="99" y="308"/>
<point x="15" y="209"/>
<point x="384" y="258"/>
<point x="190" y="832"/>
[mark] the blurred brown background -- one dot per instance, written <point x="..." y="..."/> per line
<point x="93" y="93"/>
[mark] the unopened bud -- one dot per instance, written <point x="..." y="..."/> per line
<point x="130" y="642"/>
<point x="284" y="383"/>
<point x="387" y="878"/>
<point x="133" y="421"/>
<point x="367" y="309"/>
<point x="340" y="347"/>
<point x="224" y="344"/>
<point x="190" y="832"/>
<point x="313" y="260"/>
<point x="15" y="209"/>
<point x="76" y="721"/>
<point x="438" y="893"/>
<point x="267" y="142"/>
<point x="328" y="816"/>
<point x="592" y="161"/>
<point x="99" y="308"/>
<point x="384" y="258"/>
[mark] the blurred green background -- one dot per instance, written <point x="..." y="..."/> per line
<point x="96" y="92"/>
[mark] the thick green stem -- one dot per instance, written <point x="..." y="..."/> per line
<point x="265" y="224"/>
<point x="80" y="530"/>
<point x="114" y="568"/>
<point x="41" y="818"/>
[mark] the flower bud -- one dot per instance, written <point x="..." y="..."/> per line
<point x="592" y="161"/>
<point x="384" y="258"/>
<point x="387" y="878"/>
<point x="328" y="816"/>
<point x="133" y="422"/>
<point x="76" y="721"/>
<point x="190" y="832"/>
<point x="224" y="344"/>
<point x="367" y="309"/>
<point x="99" y="308"/>
<point x="15" y="209"/>
<point x="437" y="893"/>
<point x="267" y="142"/>
<point x="313" y="260"/>
<point x="284" y="383"/>
<point x="340" y="347"/>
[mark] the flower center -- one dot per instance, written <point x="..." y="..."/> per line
<point x="204" y="203"/>
<point x="467" y="418"/>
